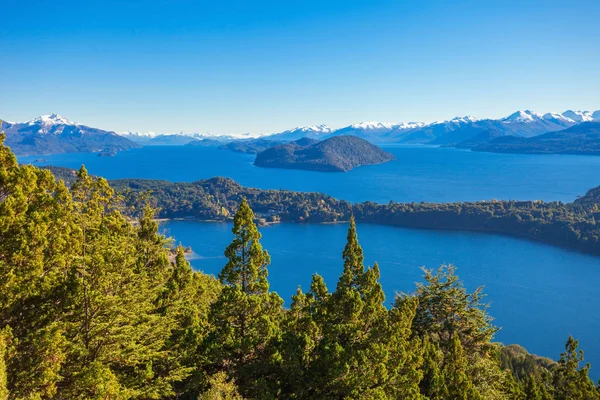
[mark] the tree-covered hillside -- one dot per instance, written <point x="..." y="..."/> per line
<point x="96" y="304"/>
<point x="572" y="225"/>
<point x="336" y="154"/>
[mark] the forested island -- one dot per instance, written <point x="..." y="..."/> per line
<point x="571" y="225"/>
<point x="336" y="154"/>
<point x="96" y="304"/>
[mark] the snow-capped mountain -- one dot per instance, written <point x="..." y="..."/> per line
<point x="51" y="120"/>
<point x="526" y="117"/>
<point x="430" y="132"/>
<point x="312" y="132"/>
<point x="580" y="116"/>
<point x="53" y="133"/>
<point x="34" y="136"/>
<point x="522" y="123"/>
<point x="376" y="131"/>
<point x="558" y="118"/>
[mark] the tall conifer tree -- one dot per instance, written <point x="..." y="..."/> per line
<point x="246" y="317"/>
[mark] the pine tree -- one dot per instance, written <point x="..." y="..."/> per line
<point x="532" y="390"/>
<point x="246" y="316"/>
<point x="570" y="381"/>
<point x="186" y="301"/>
<point x="447" y="310"/>
<point x="364" y="350"/>
<point x="458" y="382"/>
<point x="432" y="385"/>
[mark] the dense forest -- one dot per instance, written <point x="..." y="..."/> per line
<point x="573" y="225"/>
<point x="96" y="304"/>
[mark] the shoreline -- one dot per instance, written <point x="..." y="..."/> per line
<point x="483" y="232"/>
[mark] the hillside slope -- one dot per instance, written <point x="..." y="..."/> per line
<point x="337" y="154"/>
<point x="579" y="139"/>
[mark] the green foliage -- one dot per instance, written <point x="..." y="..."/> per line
<point x="336" y="154"/>
<point x="95" y="304"/>
<point x="572" y="225"/>
<point x="220" y="388"/>
<point x="245" y="318"/>
<point x="4" y="338"/>
<point x="570" y="381"/>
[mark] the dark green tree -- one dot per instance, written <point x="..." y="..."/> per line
<point x="246" y="317"/>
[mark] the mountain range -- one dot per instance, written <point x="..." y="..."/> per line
<point x="51" y="134"/>
<point x="583" y="138"/>
<point x="56" y="134"/>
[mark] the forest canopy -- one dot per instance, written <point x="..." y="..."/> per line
<point x="97" y="304"/>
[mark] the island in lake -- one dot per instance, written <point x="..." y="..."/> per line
<point x="336" y="154"/>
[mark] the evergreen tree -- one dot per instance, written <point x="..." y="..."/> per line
<point x="186" y="300"/>
<point x="532" y="390"/>
<point x="458" y="382"/>
<point x="220" y="388"/>
<point x="364" y="349"/>
<point x="447" y="310"/>
<point x="246" y="316"/>
<point x="432" y="386"/>
<point x="570" y="381"/>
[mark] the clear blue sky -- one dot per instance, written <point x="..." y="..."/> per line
<point x="234" y="67"/>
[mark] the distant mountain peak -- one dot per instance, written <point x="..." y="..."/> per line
<point x="556" y="117"/>
<point x="311" y="128"/>
<point x="51" y="119"/>
<point x="523" y="116"/>
<point x="370" y="125"/>
<point x="579" y="116"/>
<point x="465" y="119"/>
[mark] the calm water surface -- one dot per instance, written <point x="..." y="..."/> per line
<point x="538" y="294"/>
<point x="419" y="173"/>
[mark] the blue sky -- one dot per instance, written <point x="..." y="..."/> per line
<point x="230" y="67"/>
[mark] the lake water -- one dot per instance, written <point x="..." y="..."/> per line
<point x="419" y="173"/>
<point x="538" y="294"/>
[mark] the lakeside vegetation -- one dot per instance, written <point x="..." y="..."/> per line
<point x="572" y="225"/>
<point x="94" y="306"/>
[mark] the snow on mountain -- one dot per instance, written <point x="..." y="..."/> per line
<point x="51" y="119"/>
<point x="312" y="132"/>
<point x="596" y="115"/>
<point x="372" y="126"/>
<point x="131" y="134"/>
<point x="467" y="119"/>
<point x="579" y="116"/>
<point x="557" y="117"/>
<point x="409" y="125"/>
<point x="314" y="128"/>
<point x="526" y="116"/>
<point x="53" y="133"/>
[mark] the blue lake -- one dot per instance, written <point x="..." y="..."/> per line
<point x="538" y="294"/>
<point x="419" y="173"/>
